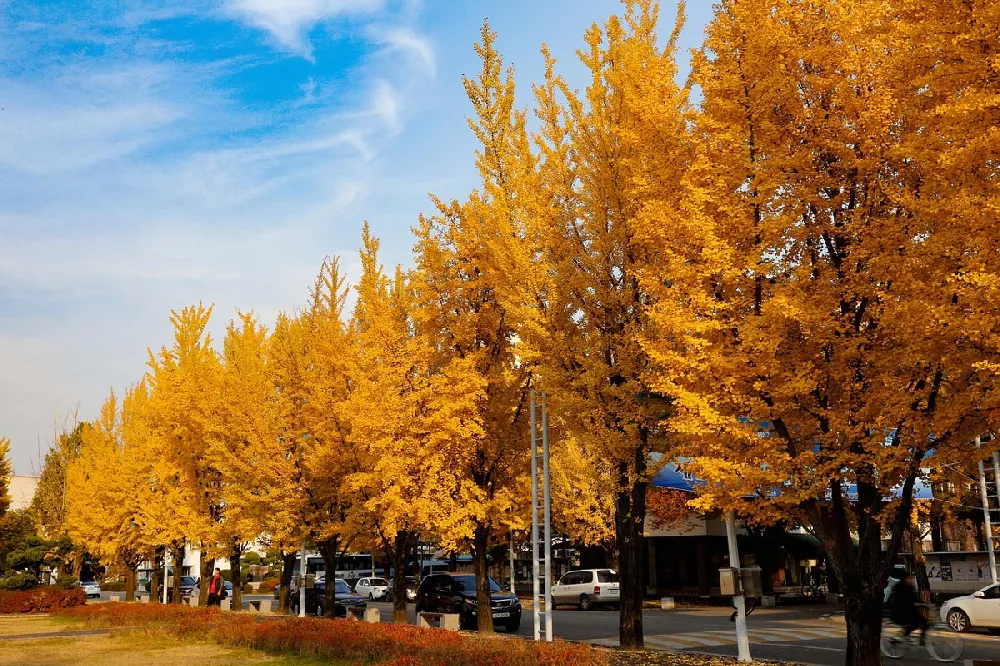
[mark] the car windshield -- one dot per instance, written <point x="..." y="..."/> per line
<point x="607" y="576"/>
<point x="187" y="580"/>
<point x="378" y="582"/>
<point x="342" y="588"/>
<point x="467" y="584"/>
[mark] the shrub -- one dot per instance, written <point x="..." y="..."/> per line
<point x="66" y="582"/>
<point x="272" y="582"/>
<point x="116" y="586"/>
<point x="248" y="589"/>
<point x="265" y="587"/>
<point x="18" y="580"/>
<point x="339" y="640"/>
<point x="42" y="599"/>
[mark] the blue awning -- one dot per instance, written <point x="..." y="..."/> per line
<point x="672" y="477"/>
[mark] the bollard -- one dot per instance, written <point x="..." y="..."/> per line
<point x="143" y="598"/>
<point x="667" y="603"/>
<point x="225" y="605"/>
<point x="265" y="605"/>
<point x="768" y="601"/>
<point x="373" y="615"/>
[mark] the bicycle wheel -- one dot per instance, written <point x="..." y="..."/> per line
<point x="944" y="644"/>
<point x="893" y="643"/>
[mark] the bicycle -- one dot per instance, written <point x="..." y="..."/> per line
<point x="941" y="643"/>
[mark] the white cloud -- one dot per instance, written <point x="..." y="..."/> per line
<point x="290" y="21"/>
<point x="385" y="105"/>
<point x="405" y="40"/>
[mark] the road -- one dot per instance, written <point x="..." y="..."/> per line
<point x="804" y="635"/>
<point x="809" y="635"/>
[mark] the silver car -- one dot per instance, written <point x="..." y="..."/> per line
<point x="90" y="588"/>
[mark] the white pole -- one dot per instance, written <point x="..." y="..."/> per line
<point x="302" y="582"/>
<point x="548" y="518"/>
<point x="742" y="639"/>
<point x="535" y="597"/>
<point x="987" y="526"/>
<point x="512" y="590"/>
<point x="996" y="487"/>
<point x="166" y="552"/>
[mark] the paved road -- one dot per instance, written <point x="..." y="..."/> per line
<point x="809" y="636"/>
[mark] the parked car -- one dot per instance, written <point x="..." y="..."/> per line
<point x="188" y="586"/>
<point x="978" y="610"/>
<point x="316" y="598"/>
<point x="90" y="588"/>
<point x="456" y="593"/>
<point x="587" y="588"/>
<point x="373" y="588"/>
<point x="411" y="589"/>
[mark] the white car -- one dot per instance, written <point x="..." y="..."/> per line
<point x="90" y="588"/>
<point x="981" y="609"/>
<point x="373" y="588"/>
<point x="587" y="588"/>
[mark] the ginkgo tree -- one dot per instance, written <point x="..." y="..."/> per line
<point x="470" y="257"/>
<point x="184" y="382"/>
<point x="606" y="156"/>
<point x="831" y="271"/>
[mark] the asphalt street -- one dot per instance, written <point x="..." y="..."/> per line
<point x="803" y="635"/>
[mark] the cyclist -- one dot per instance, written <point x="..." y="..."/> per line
<point x="906" y="609"/>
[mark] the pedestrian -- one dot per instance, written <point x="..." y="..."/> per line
<point x="215" y="589"/>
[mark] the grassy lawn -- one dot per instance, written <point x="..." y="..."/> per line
<point x="120" y="649"/>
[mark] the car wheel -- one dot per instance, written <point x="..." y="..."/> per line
<point x="371" y="596"/>
<point x="585" y="603"/>
<point x="958" y="620"/>
<point x="513" y="625"/>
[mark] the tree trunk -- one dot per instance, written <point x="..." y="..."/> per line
<point x="484" y="601"/>
<point x="630" y="518"/>
<point x="920" y="567"/>
<point x="398" y="553"/>
<point x="130" y="580"/>
<point x="236" y="574"/>
<point x="287" y="566"/>
<point x="175" y="588"/>
<point x="864" y="629"/>
<point x="330" y="550"/>
<point x="206" y="571"/>
<point x="154" y="576"/>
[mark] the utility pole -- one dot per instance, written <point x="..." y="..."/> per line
<point x="166" y="553"/>
<point x="742" y="638"/>
<point x="302" y="581"/>
<point x="987" y="509"/>
<point x="512" y="590"/>
<point x="541" y="507"/>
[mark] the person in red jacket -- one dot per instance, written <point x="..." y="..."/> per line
<point x="216" y="589"/>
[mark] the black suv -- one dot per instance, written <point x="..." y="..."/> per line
<point x="456" y="593"/>
<point x="315" y="598"/>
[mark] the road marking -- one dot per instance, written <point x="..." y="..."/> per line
<point x="771" y="636"/>
<point x="805" y="647"/>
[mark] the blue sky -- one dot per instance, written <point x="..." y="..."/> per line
<point x="157" y="154"/>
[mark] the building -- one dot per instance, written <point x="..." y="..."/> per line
<point x="22" y="491"/>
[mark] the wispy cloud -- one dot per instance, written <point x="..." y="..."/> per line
<point x="289" y="21"/>
<point x="142" y="171"/>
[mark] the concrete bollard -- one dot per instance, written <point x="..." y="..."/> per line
<point x="116" y="597"/>
<point x="373" y="615"/>
<point x="225" y="605"/>
<point x="768" y="601"/>
<point x="192" y="600"/>
<point x="450" y="621"/>
<point x="667" y="603"/>
<point x="265" y="605"/>
<point x="143" y="598"/>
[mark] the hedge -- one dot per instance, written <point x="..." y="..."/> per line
<point x="354" y="642"/>
<point x="42" y="599"/>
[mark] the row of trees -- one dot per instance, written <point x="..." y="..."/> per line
<point x="803" y="236"/>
